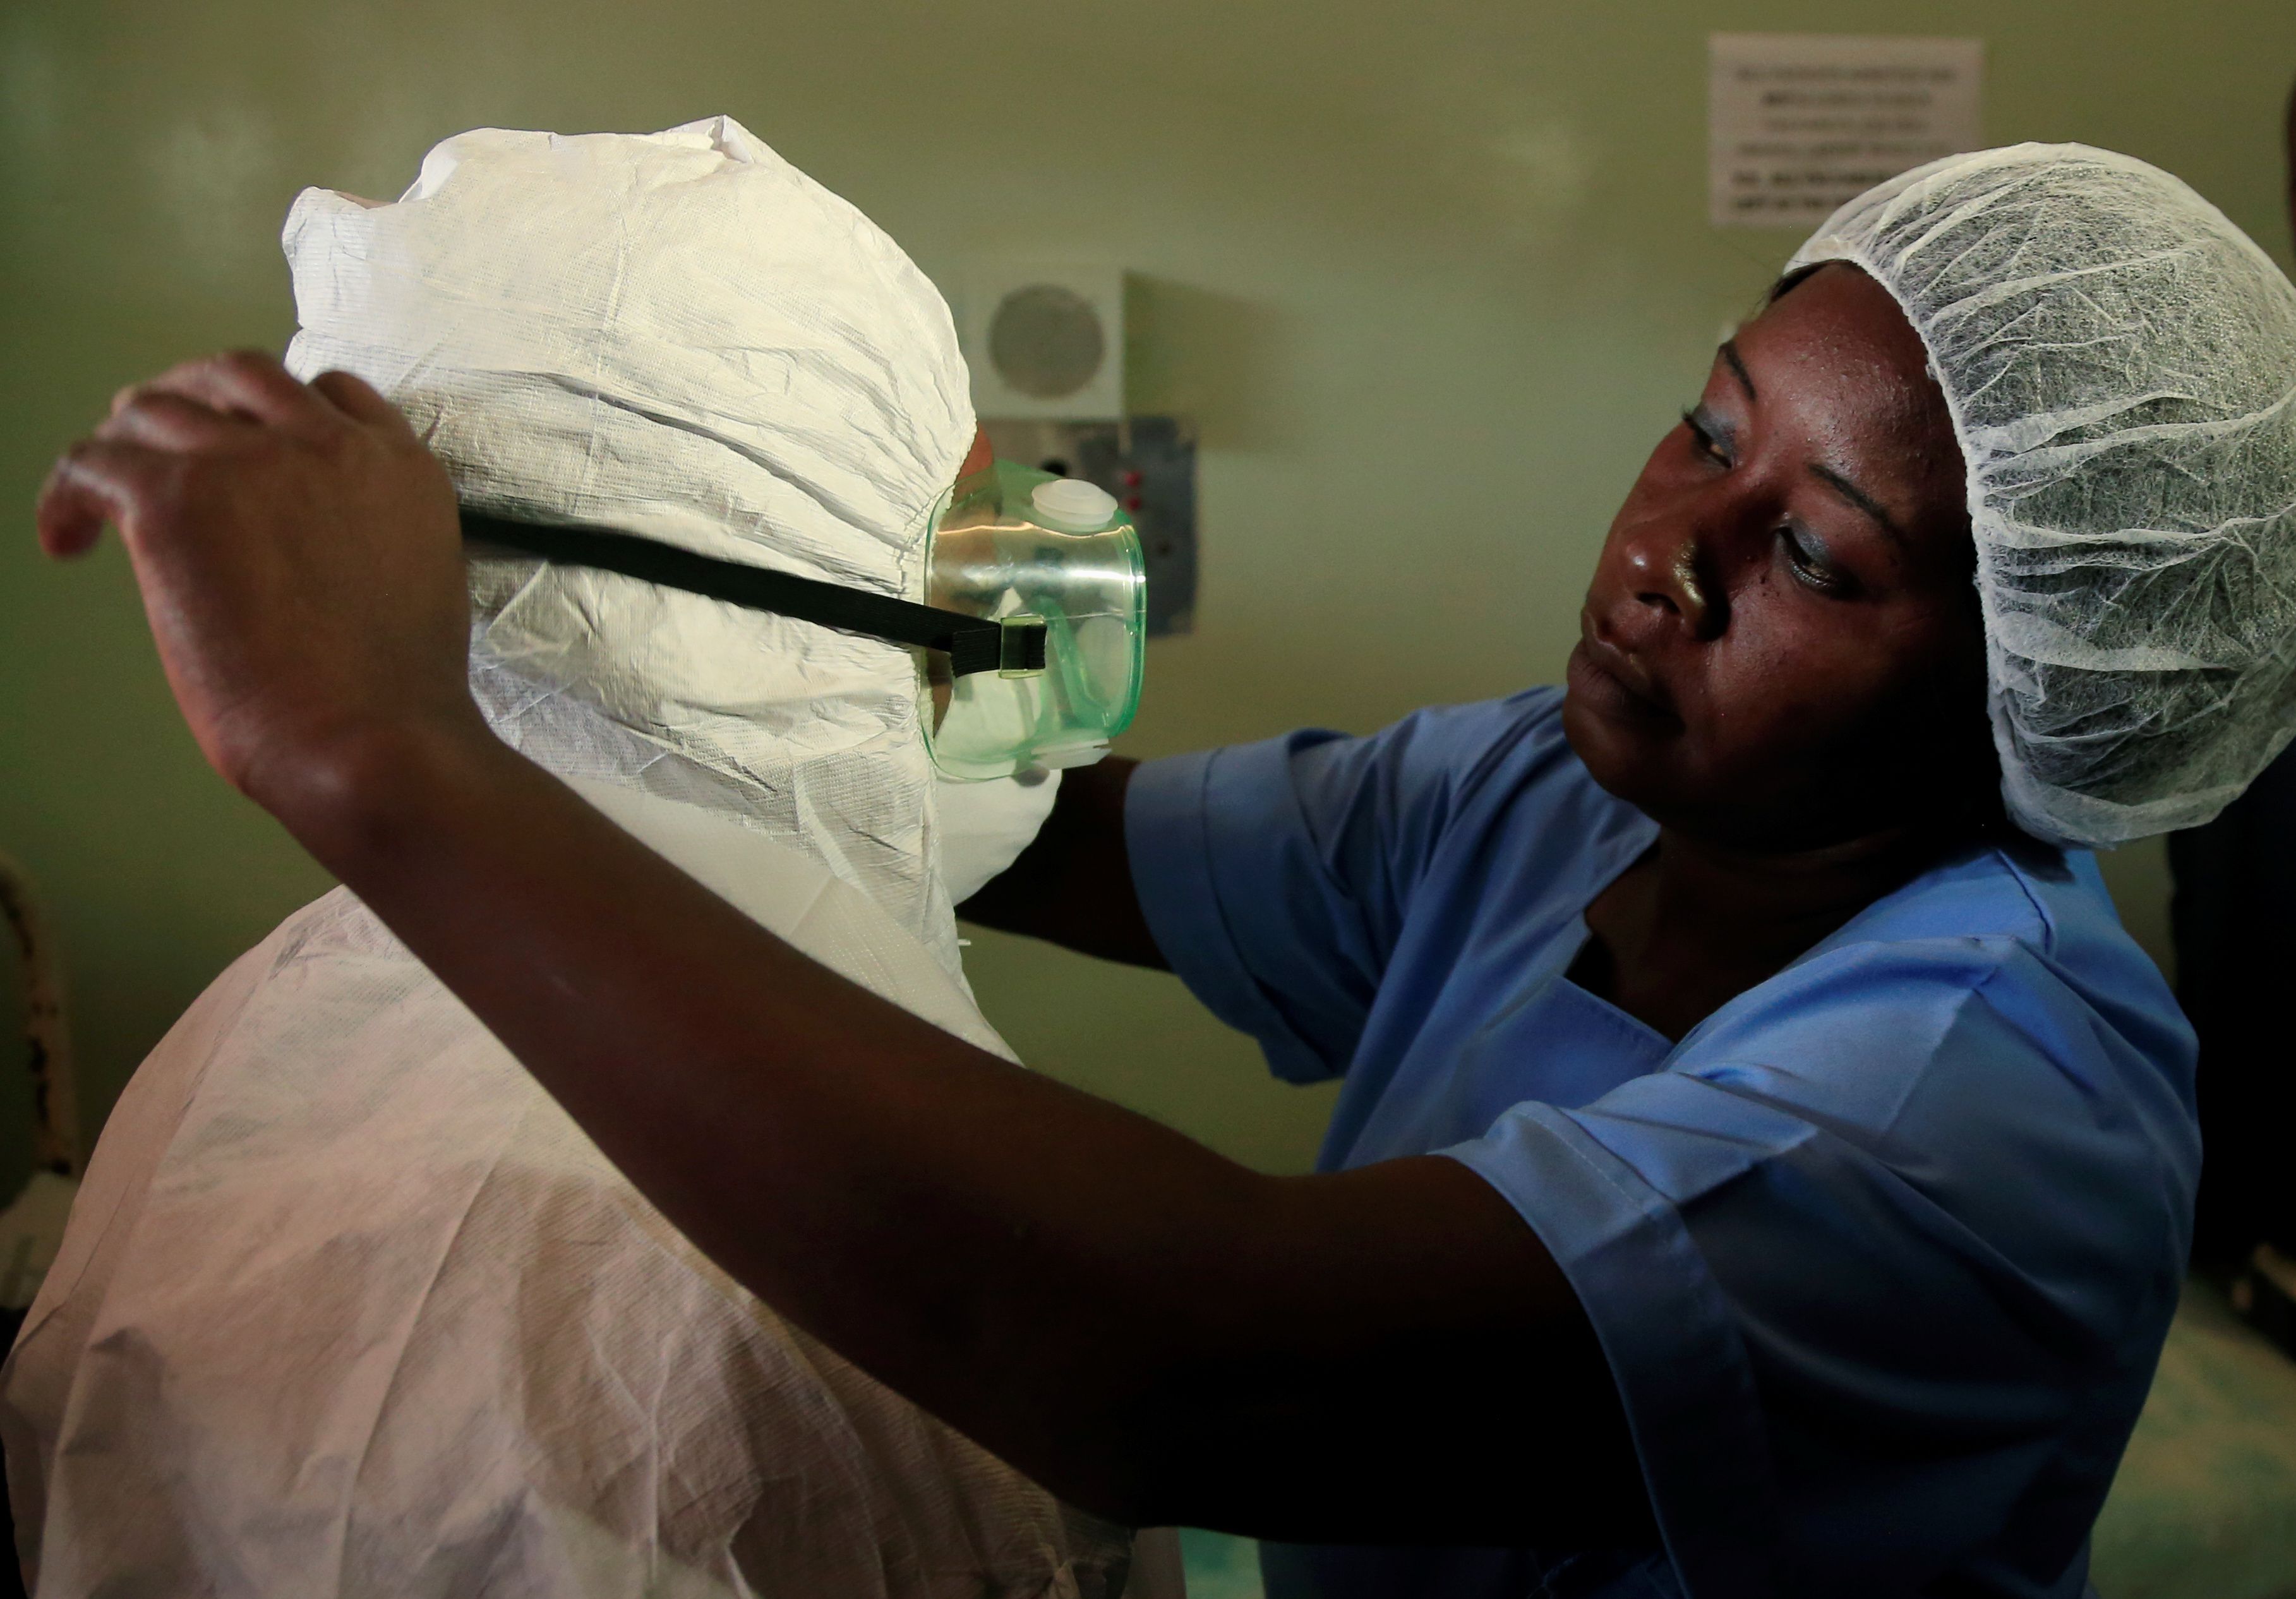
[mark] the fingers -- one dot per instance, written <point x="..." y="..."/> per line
<point x="356" y="399"/>
<point x="67" y="519"/>
<point x="95" y="481"/>
<point x="251" y="384"/>
<point x="198" y="408"/>
<point x="100" y="478"/>
<point x="239" y="382"/>
<point x="168" y="422"/>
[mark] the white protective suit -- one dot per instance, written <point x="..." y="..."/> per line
<point x="348" y="1306"/>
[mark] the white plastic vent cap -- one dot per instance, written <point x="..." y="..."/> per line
<point x="1073" y="505"/>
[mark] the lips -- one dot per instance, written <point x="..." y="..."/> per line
<point x="1610" y="676"/>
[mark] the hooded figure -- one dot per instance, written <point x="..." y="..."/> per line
<point x="348" y="1305"/>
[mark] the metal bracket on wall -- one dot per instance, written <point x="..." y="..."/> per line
<point x="1149" y="464"/>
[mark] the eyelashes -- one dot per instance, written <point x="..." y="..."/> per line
<point x="1807" y="560"/>
<point x="1704" y="437"/>
<point x="1806" y="555"/>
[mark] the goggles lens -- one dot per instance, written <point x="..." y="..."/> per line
<point x="1063" y="564"/>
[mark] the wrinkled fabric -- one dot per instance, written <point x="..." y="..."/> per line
<point x="2120" y="360"/>
<point x="348" y="1306"/>
<point x="682" y="336"/>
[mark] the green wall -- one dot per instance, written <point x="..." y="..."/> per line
<point x="1429" y="277"/>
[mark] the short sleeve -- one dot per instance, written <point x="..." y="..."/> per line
<point x="1881" y="1265"/>
<point x="1275" y="876"/>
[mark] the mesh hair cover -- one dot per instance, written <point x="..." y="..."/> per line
<point x="2120" y="364"/>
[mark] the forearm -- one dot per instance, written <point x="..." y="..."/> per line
<point x="997" y="1247"/>
<point x="1150" y="1330"/>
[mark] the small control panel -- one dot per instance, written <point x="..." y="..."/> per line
<point x="1149" y="465"/>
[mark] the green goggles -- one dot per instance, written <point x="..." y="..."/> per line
<point x="1031" y="636"/>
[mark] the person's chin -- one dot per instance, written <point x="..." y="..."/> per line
<point x="1617" y="734"/>
<point x="1628" y="761"/>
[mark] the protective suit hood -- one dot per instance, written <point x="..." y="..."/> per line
<point x="682" y="335"/>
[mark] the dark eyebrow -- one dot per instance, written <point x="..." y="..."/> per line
<point x="1824" y="474"/>
<point x="1858" y="497"/>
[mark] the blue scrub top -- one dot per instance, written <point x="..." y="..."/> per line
<point x="1881" y="1254"/>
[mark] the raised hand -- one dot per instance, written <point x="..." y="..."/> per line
<point x="300" y="563"/>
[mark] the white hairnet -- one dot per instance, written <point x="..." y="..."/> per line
<point x="682" y="335"/>
<point x="2120" y="364"/>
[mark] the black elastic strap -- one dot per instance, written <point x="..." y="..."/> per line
<point x="972" y="644"/>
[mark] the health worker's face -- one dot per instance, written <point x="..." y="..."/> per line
<point x="1781" y="648"/>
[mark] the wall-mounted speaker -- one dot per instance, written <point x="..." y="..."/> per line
<point x="1046" y="341"/>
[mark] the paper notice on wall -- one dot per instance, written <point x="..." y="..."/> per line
<point x="1798" y="123"/>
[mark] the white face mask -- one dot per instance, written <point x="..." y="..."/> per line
<point x="984" y="827"/>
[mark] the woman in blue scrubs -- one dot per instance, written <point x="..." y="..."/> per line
<point x="1764" y="1163"/>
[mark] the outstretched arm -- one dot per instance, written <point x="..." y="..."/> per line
<point x="1150" y="1330"/>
